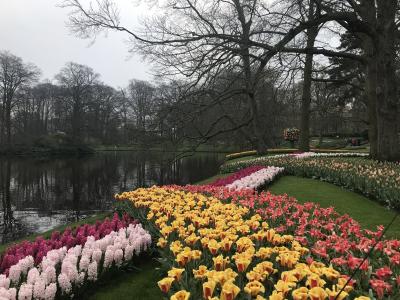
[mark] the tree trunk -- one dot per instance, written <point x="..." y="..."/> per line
<point x="76" y="122"/>
<point x="387" y="93"/>
<point x="261" y="145"/>
<point x="8" y="123"/>
<point x="304" y="141"/>
<point x="371" y="96"/>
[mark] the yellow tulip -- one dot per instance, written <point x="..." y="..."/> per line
<point x="196" y="254"/>
<point x="284" y="287"/>
<point x="334" y="293"/>
<point x="176" y="273"/>
<point x="162" y="243"/>
<point x="208" y="289"/>
<point x="181" y="295"/>
<point x="226" y="244"/>
<point x="242" y="264"/>
<point x="317" y="293"/>
<point x="213" y="246"/>
<point x="254" y="288"/>
<point x="330" y="273"/>
<point x="201" y="272"/>
<point x="277" y="296"/>
<point x="314" y="280"/>
<point x="300" y="294"/>
<point x="165" y="284"/>
<point x="220" y="262"/>
<point x="270" y="235"/>
<point x="229" y="291"/>
<point x="342" y="283"/>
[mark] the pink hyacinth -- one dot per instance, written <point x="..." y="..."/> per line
<point x="4" y="281"/>
<point x="92" y="271"/>
<point x="64" y="283"/>
<point x="25" y="292"/>
<point x="50" y="292"/>
<point x="39" y="289"/>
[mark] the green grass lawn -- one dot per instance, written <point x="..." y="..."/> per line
<point x="367" y="212"/>
<point x="140" y="284"/>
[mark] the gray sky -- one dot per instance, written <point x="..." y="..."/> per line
<point x="35" y="30"/>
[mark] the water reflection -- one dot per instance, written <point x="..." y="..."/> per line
<point x="40" y="194"/>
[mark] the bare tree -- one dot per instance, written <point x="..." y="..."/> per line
<point x="141" y="96"/>
<point x="78" y="80"/>
<point x="204" y="38"/>
<point x="14" y="75"/>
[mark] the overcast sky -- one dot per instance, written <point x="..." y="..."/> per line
<point x="35" y="30"/>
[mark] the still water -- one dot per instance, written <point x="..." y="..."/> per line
<point x="40" y="194"/>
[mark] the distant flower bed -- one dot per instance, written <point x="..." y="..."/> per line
<point x="69" y="238"/>
<point x="220" y="250"/>
<point x="291" y="134"/>
<point x="332" y="238"/>
<point x="254" y="152"/>
<point x="241" y="154"/>
<point x="249" y="178"/>
<point x="378" y="180"/>
<point x="318" y="152"/>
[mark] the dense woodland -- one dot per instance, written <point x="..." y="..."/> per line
<point x="238" y="72"/>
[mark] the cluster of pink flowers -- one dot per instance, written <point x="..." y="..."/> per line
<point x="256" y="179"/>
<point x="236" y="176"/>
<point x="333" y="238"/>
<point x="249" y="178"/>
<point x="69" y="238"/>
<point x="63" y="271"/>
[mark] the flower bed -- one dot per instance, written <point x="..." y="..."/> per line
<point x="377" y="180"/>
<point x="266" y="160"/>
<point x="215" y="249"/>
<point x="257" y="179"/>
<point x="69" y="238"/>
<point x="249" y="178"/>
<point x="236" y="176"/>
<point x="332" y="238"/>
<point x="254" y="152"/>
<point x="63" y="272"/>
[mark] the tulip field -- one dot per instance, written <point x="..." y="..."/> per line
<point x="228" y="239"/>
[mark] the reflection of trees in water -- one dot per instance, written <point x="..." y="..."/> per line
<point x="76" y="185"/>
<point x="5" y="180"/>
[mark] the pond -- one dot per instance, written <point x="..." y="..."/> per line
<point x="40" y="194"/>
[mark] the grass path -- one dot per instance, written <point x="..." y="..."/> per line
<point x="367" y="212"/>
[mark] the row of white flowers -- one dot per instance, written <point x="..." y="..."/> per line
<point x="256" y="179"/>
<point x="62" y="271"/>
